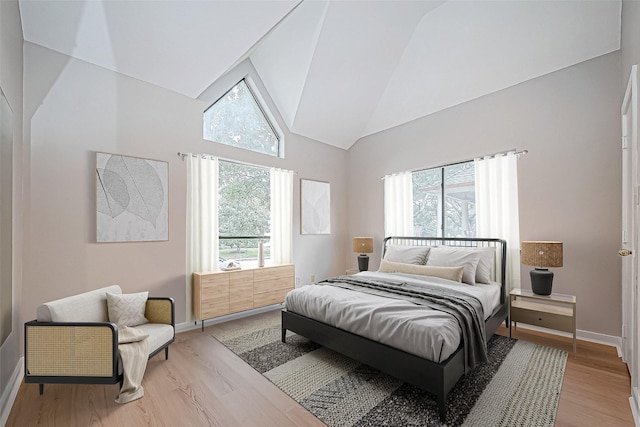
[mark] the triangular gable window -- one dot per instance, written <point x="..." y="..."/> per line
<point x="239" y="119"/>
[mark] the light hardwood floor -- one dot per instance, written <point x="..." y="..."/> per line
<point x="204" y="384"/>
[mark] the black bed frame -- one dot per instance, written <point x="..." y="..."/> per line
<point x="437" y="378"/>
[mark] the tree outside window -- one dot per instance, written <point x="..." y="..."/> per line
<point x="244" y="210"/>
<point x="238" y="119"/>
<point x="444" y="201"/>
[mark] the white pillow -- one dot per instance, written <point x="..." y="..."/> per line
<point x="455" y="257"/>
<point x="449" y="273"/>
<point x="483" y="272"/>
<point x="127" y="309"/>
<point x="407" y="254"/>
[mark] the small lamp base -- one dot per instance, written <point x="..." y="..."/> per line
<point x="363" y="262"/>
<point x="541" y="281"/>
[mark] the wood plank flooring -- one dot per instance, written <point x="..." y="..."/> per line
<point x="205" y="384"/>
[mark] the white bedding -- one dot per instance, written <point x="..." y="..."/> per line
<point x="431" y="334"/>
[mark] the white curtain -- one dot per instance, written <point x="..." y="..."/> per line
<point x="202" y="219"/>
<point x="497" y="207"/>
<point x="398" y="204"/>
<point x="281" y="216"/>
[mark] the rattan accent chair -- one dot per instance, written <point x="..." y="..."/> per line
<point x="85" y="351"/>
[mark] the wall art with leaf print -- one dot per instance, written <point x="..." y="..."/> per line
<point x="132" y="199"/>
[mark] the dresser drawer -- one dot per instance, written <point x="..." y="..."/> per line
<point x="273" y="278"/>
<point x="270" y="297"/>
<point x="560" y="322"/>
<point x="210" y="295"/>
<point x="240" y="291"/>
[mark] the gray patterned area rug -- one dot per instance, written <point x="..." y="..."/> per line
<point x="518" y="386"/>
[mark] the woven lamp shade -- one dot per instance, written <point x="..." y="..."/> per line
<point x="363" y="245"/>
<point x="541" y="254"/>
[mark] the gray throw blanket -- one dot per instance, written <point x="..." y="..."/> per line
<point x="467" y="310"/>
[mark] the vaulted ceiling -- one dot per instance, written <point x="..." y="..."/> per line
<point x="337" y="70"/>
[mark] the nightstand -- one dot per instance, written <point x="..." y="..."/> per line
<point x="353" y="271"/>
<point x="555" y="311"/>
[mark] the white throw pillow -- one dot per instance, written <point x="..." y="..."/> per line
<point x="455" y="257"/>
<point x="485" y="264"/>
<point x="483" y="273"/>
<point x="407" y="254"/>
<point x="127" y="309"/>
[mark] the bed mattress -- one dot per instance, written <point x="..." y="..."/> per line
<point x="428" y="333"/>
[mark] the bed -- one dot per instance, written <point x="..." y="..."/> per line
<point x="401" y="335"/>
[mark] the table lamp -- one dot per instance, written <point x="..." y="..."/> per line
<point x="541" y="255"/>
<point x="363" y="246"/>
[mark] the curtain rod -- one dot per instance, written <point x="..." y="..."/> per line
<point x="237" y="162"/>
<point x="490" y="156"/>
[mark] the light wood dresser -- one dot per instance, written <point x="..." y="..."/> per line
<point x="224" y="292"/>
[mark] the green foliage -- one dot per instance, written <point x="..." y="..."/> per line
<point x="245" y="203"/>
<point x="237" y="119"/>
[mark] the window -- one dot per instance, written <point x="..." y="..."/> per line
<point x="244" y="210"/>
<point x="455" y="185"/>
<point x="239" y="119"/>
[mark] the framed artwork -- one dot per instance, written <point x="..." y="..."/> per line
<point x="315" y="209"/>
<point x="132" y="199"/>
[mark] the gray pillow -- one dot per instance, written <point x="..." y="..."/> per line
<point x="455" y="257"/>
<point x="407" y="254"/>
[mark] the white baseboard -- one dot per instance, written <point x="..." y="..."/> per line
<point x="633" y="402"/>
<point x="634" y="412"/>
<point x="582" y="335"/>
<point x="602" y="339"/>
<point x="188" y="326"/>
<point x="10" y="393"/>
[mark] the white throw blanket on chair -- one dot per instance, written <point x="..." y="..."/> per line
<point x="133" y="347"/>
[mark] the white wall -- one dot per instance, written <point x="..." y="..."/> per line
<point x="569" y="184"/>
<point x="72" y="110"/>
<point x="11" y="82"/>
<point x="630" y="40"/>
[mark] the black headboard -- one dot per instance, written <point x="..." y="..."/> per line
<point x="499" y="269"/>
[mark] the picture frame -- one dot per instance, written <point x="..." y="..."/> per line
<point x="315" y="207"/>
<point x="132" y="199"/>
